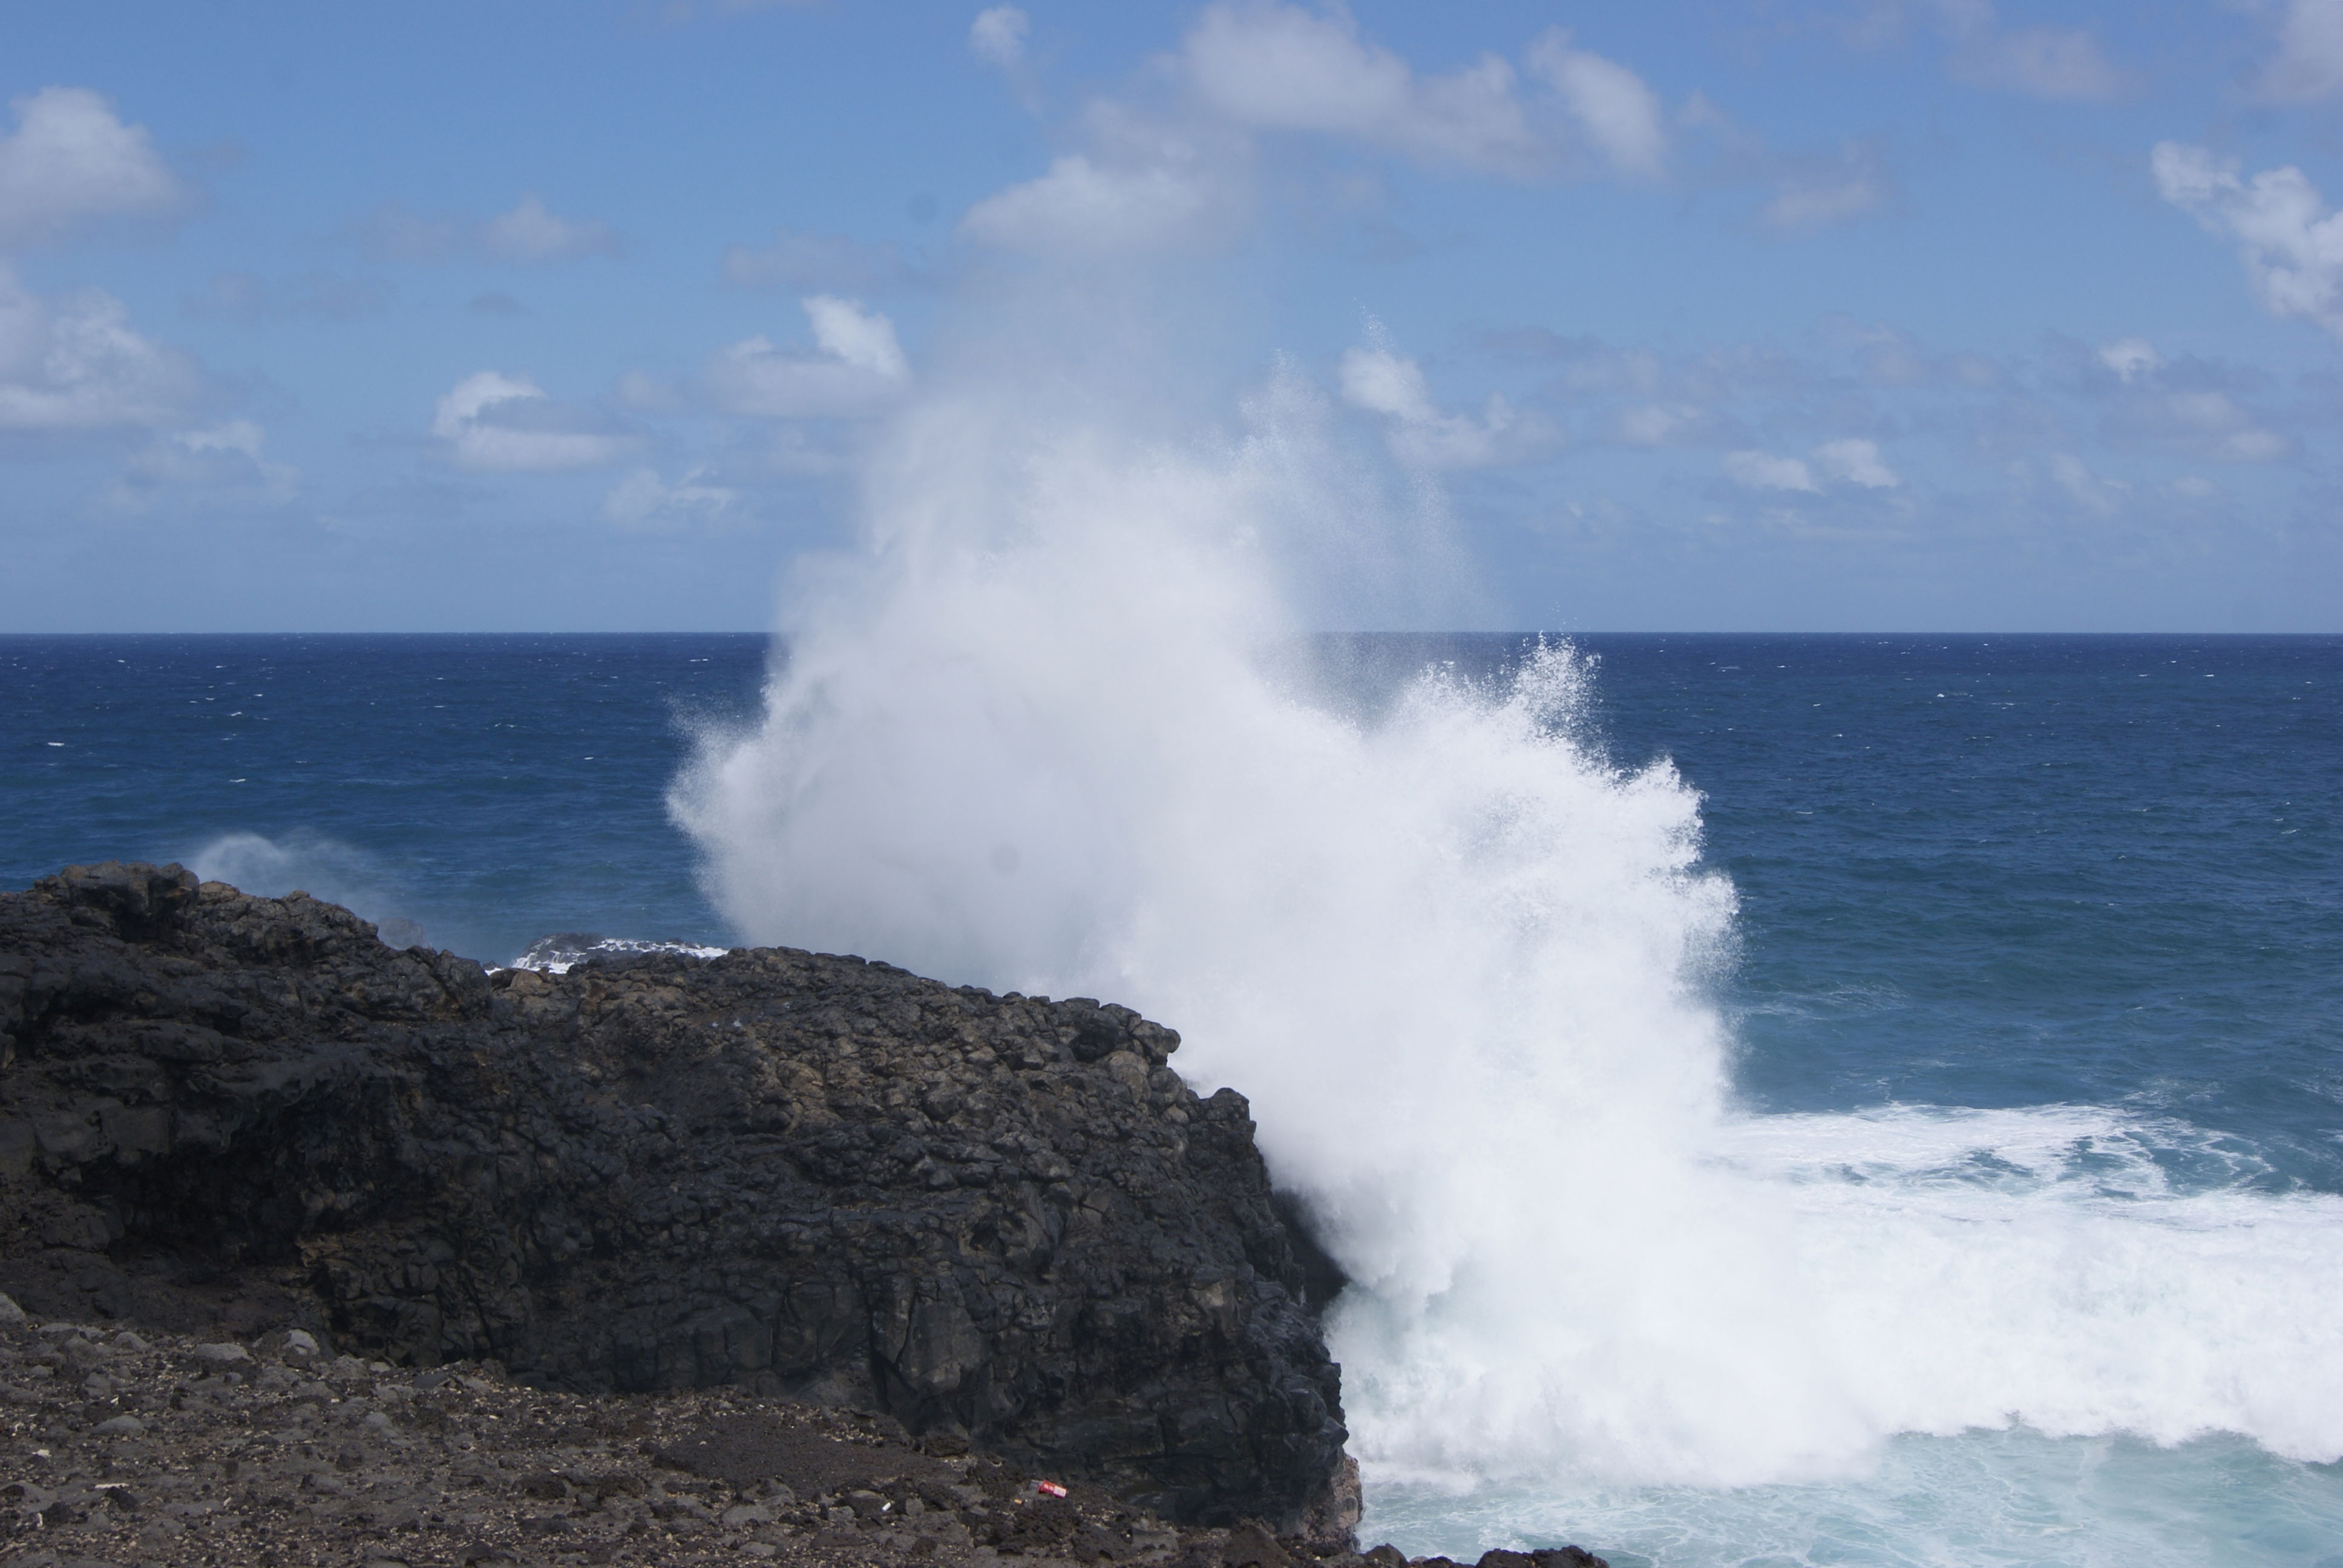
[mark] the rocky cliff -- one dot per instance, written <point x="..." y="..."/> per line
<point x="1000" y="1217"/>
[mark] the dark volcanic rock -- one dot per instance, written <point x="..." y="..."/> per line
<point x="997" y="1219"/>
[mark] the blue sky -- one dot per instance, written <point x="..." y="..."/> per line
<point x="1904" y="314"/>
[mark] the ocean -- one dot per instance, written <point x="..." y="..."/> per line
<point x="1785" y="1099"/>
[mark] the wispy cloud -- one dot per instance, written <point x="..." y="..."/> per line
<point x="492" y="422"/>
<point x="1178" y="173"/>
<point x="70" y="166"/>
<point x="2308" y="61"/>
<point x="2046" y="61"/>
<point x="1270" y="66"/>
<point x="1764" y="471"/>
<point x="2189" y="408"/>
<point x="219" y="468"/>
<point x="797" y="261"/>
<point x="1817" y="192"/>
<point x="1617" y="111"/>
<point x="247" y="297"/>
<point x="997" y="36"/>
<point x="2092" y="492"/>
<point x="530" y="233"/>
<point x="642" y="502"/>
<point x="2057" y="63"/>
<point x="1849" y="461"/>
<point x="1086" y="207"/>
<point x="1423" y="434"/>
<point x="858" y="367"/>
<point x="678" y="12"/>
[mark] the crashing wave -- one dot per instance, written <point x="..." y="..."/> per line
<point x="564" y="950"/>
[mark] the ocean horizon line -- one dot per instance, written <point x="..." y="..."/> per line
<point x="418" y="634"/>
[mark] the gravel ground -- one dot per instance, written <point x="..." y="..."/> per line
<point x="127" y="1448"/>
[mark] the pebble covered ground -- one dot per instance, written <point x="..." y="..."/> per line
<point x="126" y="1448"/>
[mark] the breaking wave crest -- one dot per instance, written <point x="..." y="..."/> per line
<point x="1026" y="735"/>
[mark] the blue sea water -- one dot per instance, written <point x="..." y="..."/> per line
<point x="2098" y="879"/>
<point x="487" y="790"/>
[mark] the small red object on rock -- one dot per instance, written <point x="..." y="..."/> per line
<point x="1048" y="1489"/>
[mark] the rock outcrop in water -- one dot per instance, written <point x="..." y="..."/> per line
<point x="800" y="1175"/>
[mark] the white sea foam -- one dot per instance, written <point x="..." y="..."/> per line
<point x="1458" y="963"/>
<point x="1820" y="1283"/>
<point x="2008" y="1497"/>
<point x="565" y="950"/>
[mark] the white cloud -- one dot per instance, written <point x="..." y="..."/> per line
<point x="2130" y="357"/>
<point x="1764" y="471"/>
<point x="72" y="363"/>
<point x="1618" y="112"/>
<point x="1845" y="462"/>
<point x="643" y="502"/>
<point x="997" y="36"/>
<point x="1255" y="67"/>
<point x="71" y="164"/>
<point x="1083" y="208"/>
<point x="2309" y="60"/>
<point x="2292" y="246"/>
<point x="860" y="368"/>
<point x="1284" y="67"/>
<point x="1274" y="66"/>
<point x="1381" y="382"/>
<point x="221" y="465"/>
<point x="799" y="261"/>
<point x="530" y="231"/>
<point x="1423" y="433"/>
<point x="1856" y="462"/>
<point x="494" y="422"/>
<point x="864" y="339"/>
<point x="236" y="436"/>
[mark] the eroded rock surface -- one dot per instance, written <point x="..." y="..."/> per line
<point x="996" y="1217"/>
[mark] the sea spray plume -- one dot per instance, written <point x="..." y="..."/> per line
<point x="322" y="867"/>
<point x="1026" y="736"/>
<point x="1457" y="961"/>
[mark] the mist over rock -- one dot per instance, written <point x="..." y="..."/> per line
<point x="996" y="1217"/>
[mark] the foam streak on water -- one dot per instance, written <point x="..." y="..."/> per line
<point x="1460" y="965"/>
<point x="2008" y="1499"/>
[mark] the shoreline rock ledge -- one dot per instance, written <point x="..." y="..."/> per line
<point x="1001" y="1220"/>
